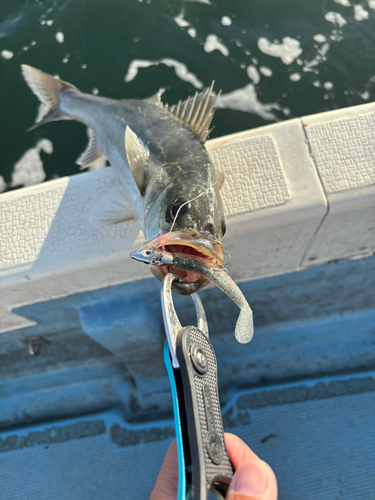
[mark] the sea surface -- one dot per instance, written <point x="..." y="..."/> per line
<point x="272" y="59"/>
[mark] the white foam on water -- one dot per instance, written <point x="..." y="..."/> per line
<point x="83" y="66"/>
<point x="319" y="38"/>
<point x="246" y="99"/>
<point x="95" y="91"/>
<point x="371" y="4"/>
<point x="336" y="36"/>
<point x="294" y="77"/>
<point x="135" y="65"/>
<point x="29" y="168"/>
<point x="316" y="83"/>
<point x="60" y="37"/>
<point x="213" y="43"/>
<point x="192" y="32"/>
<point x="180" y="21"/>
<point x="253" y="74"/>
<point x="3" y="184"/>
<point x="328" y="85"/>
<point x="181" y="70"/>
<point x="335" y="18"/>
<point x="49" y="22"/>
<point x="318" y="59"/>
<point x="6" y="54"/>
<point x="360" y="14"/>
<point x="322" y="51"/>
<point x="265" y="71"/>
<point x="365" y="95"/>
<point x="207" y="2"/>
<point x="226" y="21"/>
<point x="345" y="3"/>
<point x="288" y="50"/>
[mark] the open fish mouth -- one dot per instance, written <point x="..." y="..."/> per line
<point x="190" y="244"/>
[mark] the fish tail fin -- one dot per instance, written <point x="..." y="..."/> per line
<point x="47" y="89"/>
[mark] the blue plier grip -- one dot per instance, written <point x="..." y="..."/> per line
<point x="204" y="464"/>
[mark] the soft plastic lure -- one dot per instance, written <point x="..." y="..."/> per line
<point x="217" y="275"/>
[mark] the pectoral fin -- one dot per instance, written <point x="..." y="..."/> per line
<point x="137" y="154"/>
<point x="220" y="178"/>
<point x="113" y="208"/>
<point x="92" y="153"/>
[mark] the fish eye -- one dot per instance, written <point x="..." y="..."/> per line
<point x="179" y="207"/>
<point x="147" y="253"/>
<point x="223" y="227"/>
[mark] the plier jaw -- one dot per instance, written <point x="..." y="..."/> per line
<point x="204" y="463"/>
<point x="171" y="322"/>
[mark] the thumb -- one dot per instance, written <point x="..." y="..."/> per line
<point x="253" y="480"/>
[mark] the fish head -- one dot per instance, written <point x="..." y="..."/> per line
<point x="184" y="217"/>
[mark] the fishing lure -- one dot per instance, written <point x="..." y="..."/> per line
<point x="209" y="269"/>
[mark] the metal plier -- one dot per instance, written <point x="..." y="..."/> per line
<point x="204" y="463"/>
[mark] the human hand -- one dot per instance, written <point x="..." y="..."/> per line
<point x="253" y="478"/>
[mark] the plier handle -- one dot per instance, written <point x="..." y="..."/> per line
<point x="204" y="463"/>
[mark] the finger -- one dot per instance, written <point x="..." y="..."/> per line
<point x="253" y="479"/>
<point x="237" y="449"/>
<point x="166" y="484"/>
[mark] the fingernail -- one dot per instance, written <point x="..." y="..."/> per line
<point x="249" y="479"/>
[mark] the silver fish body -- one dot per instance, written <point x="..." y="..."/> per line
<point x="159" y="155"/>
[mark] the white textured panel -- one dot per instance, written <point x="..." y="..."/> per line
<point x="273" y="239"/>
<point x="253" y="175"/>
<point x="344" y="152"/>
<point x="25" y="222"/>
<point x="55" y="216"/>
<point x="342" y="144"/>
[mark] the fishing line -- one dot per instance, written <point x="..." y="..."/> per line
<point x="229" y="256"/>
<point x="189" y="201"/>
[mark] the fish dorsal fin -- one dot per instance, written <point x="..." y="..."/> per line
<point x="156" y="98"/>
<point x="92" y="153"/>
<point x="114" y="207"/>
<point x="137" y="154"/>
<point x="197" y="112"/>
<point x="220" y="178"/>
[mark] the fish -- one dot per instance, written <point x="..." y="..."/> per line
<point x="175" y="262"/>
<point x="167" y="181"/>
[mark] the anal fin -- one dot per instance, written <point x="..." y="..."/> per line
<point x="92" y="153"/>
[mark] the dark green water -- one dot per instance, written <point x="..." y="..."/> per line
<point x="94" y="44"/>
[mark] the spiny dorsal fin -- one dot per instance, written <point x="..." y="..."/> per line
<point x="137" y="154"/>
<point x="197" y="112"/>
<point x="92" y="153"/>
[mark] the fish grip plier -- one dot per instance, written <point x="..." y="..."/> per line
<point x="204" y="463"/>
